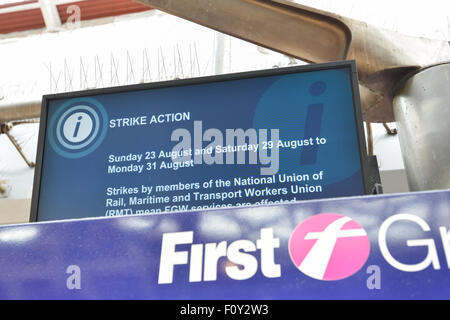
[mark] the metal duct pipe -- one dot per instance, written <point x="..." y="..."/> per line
<point x="422" y="111"/>
<point x="295" y="30"/>
<point x="384" y="57"/>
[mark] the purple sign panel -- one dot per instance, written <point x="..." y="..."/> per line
<point x="370" y="247"/>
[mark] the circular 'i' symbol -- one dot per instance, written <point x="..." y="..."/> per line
<point x="73" y="124"/>
<point x="329" y="247"/>
<point x="78" y="127"/>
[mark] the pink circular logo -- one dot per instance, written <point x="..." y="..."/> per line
<point x="329" y="246"/>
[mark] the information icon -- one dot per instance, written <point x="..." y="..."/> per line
<point x="78" y="128"/>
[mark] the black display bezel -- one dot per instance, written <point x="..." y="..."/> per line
<point x="351" y="64"/>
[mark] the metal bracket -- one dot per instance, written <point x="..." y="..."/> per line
<point x="6" y="127"/>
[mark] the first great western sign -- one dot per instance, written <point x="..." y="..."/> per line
<point x="374" y="247"/>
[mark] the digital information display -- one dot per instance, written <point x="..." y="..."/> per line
<point x="271" y="136"/>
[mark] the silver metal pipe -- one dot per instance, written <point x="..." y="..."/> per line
<point x="422" y="111"/>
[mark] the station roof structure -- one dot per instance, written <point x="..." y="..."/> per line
<point x="20" y="16"/>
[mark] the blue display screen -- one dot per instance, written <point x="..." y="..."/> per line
<point x="256" y="139"/>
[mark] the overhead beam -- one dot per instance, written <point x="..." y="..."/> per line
<point x="50" y="14"/>
<point x="305" y="34"/>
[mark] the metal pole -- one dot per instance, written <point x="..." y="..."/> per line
<point x="422" y="111"/>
